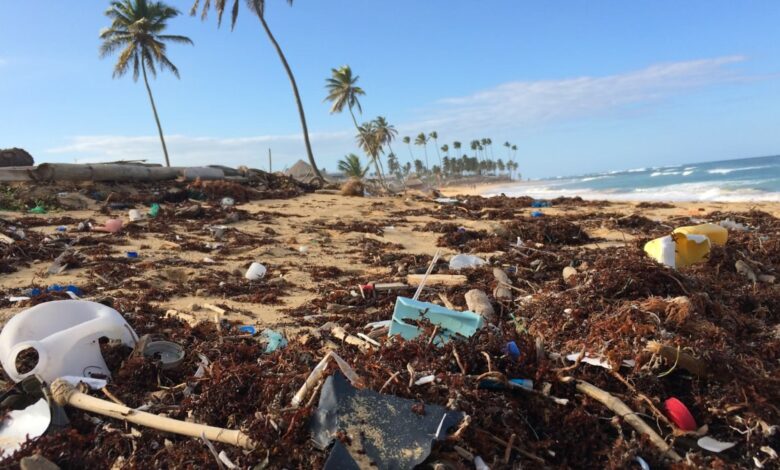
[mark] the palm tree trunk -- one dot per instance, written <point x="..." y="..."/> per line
<point x="297" y="98"/>
<point x="156" y="118"/>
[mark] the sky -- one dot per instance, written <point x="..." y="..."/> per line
<point x="579" y="86"/>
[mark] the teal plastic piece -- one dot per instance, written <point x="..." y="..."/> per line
<point x="154" y="210"/>
<point x="451" y="323"/>
<point x="275" y="340"/>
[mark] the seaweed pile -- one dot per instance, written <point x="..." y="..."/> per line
<point x="706" y="335"/>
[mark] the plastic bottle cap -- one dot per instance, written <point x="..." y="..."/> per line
<point x="679" y="414"/>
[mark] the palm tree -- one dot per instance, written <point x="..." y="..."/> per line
<point x="423" y="140"/>
<point x="507" y="145"/>
<point x="387" y="132"/>
<point x="136" y="27"/>
<point x="419" y="167"/>
<point x="369" y="140"/>
<point x="352" y="166"/>
<point x="456" y="146"/>
<point x="445" y="148"/>
<point x="435" y="136"/>
<point x="343" y="91"/>
<point x="408" y="141"/>
<point x="258" y="8"/>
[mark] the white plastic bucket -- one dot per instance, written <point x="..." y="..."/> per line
<point x="65" y="334"/>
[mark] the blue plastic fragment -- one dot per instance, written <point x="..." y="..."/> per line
<point x="522" y="383"/>
<point x="451" y="323"/>
<point x="132" y="254"/>
<point x="513" y="350"/>
<point x="62" y="228"/>
<point x="275" y="340"/>
<point x="540" y="203"/>
<point x="247" y="329"/>
<point x="537" y="214"/>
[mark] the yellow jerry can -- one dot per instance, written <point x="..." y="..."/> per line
<point x="679" y="249"/>
<point x="717" y="234"/>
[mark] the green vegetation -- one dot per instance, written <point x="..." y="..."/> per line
<point x="136" y="29"/>
<point x="258" y="8"/>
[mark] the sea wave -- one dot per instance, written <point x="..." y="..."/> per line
<point x="665" y="173"/>
<point x="703" y="191"/>
<point x="726" y="171"/>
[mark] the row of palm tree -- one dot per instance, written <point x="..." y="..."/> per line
<point x="137" y="29"/>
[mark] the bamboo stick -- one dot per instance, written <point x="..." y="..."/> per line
<point x="65" y="394"/>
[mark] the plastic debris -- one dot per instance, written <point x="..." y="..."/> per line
<point x="20" y="425"/>
<point x="716" y="233"/>
<point x="38" y="209"/>
<point x="382" y="429"/>
<point x="462" y="261"/>
<point x="274" y="339"/>
<point x="732" y="225"/>
<point x="599" y="361"/>
<point x="168" y="353"/>
<point x="247" y="329"/>
<point x="679" y="414"/>
<point x="446" y="200"/>
<point x="154" y="209"/>
<point x="642" y="463"/>
<point x="227" y="202"/>
<point x="512" y="350"/>
<point x="537" y="214"/>
<point x="65" y="334"/>
<point x="256" y="271"/>
<point x="679" y="250"/>
<point x="93" y="383"/>
<point x="540" y="203"/>
<point x="132" y="254"/>
<point x="134" y="215"/>
<point x="451" y="323"/>
<point x="714" y="445"/>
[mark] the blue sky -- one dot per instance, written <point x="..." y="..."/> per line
<point x="578" y="86"/>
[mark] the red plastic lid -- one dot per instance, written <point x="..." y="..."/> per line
<point x="679" y="414"/>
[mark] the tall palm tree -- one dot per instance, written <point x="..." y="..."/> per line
<point x="507" y="145"/>
<point x="352" y="166"/>
<point x="258" y="7"/>
<point x="387" y="132"/>
<point x="446" y="149"/>
<point x="343" y="91"/>
<point x="435" y="136"/>
<point x="136" y="28"/>
<point x="456" y="145"/>
<point x="423" y="140"/>
<point x="408" y="141"/>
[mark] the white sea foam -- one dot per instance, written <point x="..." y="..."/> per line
<point x="687" y="172"/>
<point x="726" y="171"/>
<point x="703" y="191"/>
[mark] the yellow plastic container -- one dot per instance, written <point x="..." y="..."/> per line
<point x="679" y="250"/>
<point x="717" y="234"/>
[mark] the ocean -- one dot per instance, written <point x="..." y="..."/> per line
<point x="741" y="180"/>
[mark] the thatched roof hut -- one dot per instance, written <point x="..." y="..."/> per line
<point x="301" y="171"/>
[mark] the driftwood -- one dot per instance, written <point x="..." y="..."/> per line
<point x="342" y="334"/>
<point x="502" y="290"/>
<point x="65" y="394"/>
<point x="678" y="358"/>
<point x="437" y="279"/>
<point x="479" y="303"/>
<point x="623" y="411"/>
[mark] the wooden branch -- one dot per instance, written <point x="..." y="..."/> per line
<point x="437" y="279"/>
<point x="681" y="358"/>
<point x="65" y="394"/>
<point x="623" y="411"/>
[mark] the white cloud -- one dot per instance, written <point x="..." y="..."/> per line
<point x="189" y="150"/>
<point x="524" y="103"/>
<point x="506" y="108"/>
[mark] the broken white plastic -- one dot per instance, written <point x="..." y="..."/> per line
<point x="714" y="445"/>
<point x="18" y="425"/>
<point x="598" y="361"/>
<point x="465" y="261"/>
<point x="94" y="384"/>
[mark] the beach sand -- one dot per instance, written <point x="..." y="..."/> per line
<point x="302" y="243"/>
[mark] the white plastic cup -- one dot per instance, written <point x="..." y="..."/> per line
<point x="256" y="271"/>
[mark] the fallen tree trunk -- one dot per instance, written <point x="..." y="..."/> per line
<point x="120" y="172"/>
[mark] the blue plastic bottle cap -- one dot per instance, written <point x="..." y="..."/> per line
<point x="247" y="329"/>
